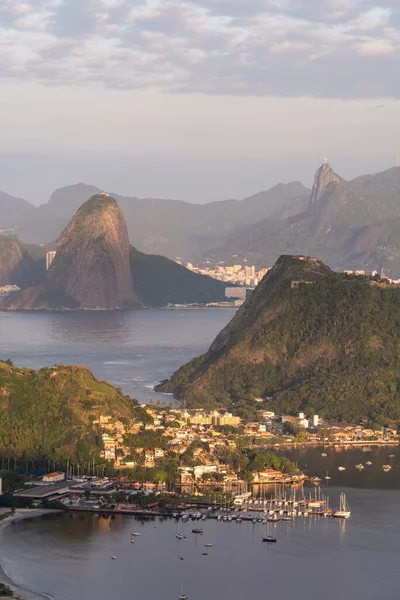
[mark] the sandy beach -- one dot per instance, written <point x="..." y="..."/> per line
<point x="20" y="593"/>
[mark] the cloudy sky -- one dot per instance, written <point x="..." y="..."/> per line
<point x="199" y="99"/>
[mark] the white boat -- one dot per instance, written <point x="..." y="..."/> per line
<point x="207" y="545"/>
<point x="324" y="454"/>
<point x="368" y="463"/>
<point x="135" y="534"/>
<point x="386" y="468"/>
<point x="359" y="467"/>
<point x="341" y="468"/>
<point x="344" y="510"/>
<point x="327" y="475"/>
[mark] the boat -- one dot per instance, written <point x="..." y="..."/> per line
<point x="132" y="540"/>
<point x="135" y="534"/>
<point x="344" y="510"/>
<point x="113" y="557"/>
<point x="386" y="468"/>
<point x="368" y="463"/>
<point x="391" y="455"/>
<point x="239" y="520"/>
<point x="341" y="468"/>
<point x="183" y="596"/>
<point x="359" y="466"/>
<point x="269" y="539"/>
<point x="207" y="545"/>
<point x="327" y="475"/>
<point x="199" y="531"/>
<point x="324" y="454"/>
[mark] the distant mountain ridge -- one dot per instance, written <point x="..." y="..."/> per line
<point x="349" y="224"/>
<point x="333" y="221"/>
<point x="162" y="226"/>
<point x="96" y="268"/>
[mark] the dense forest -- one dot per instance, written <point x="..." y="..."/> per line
<point x="50" y="414"/>
<point x="308" y="339"/>
<point x="160" y="281"/>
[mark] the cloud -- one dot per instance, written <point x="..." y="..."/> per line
<point x="324" y="48"/>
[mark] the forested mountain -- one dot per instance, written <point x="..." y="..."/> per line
<point x="307" y="339"/>
<point x="50" y="414"/>
<point x="349" y="225"/>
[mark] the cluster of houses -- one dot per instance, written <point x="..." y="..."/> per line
<point x="182" y="427"/>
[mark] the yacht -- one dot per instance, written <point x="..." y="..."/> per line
<point x="344" y="510"/>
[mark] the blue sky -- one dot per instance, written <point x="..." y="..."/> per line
<point x="198" y="100"/>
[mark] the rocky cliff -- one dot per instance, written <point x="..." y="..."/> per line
<point x="91" y="270"/>
<point x="307" y="339"/>
<point x="324" y="182"/>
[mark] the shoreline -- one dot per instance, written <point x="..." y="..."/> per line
<point x="20" y="592"/>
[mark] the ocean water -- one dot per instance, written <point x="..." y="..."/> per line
<point x="69" y="557"/>
<point x="133" y="350"/>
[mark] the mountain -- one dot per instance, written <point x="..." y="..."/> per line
<point x="160" y="281"/>
<point x="95" y="268"/>
<point x="307" y="339"/>
<point x="91" y="269"/>
<point x="50" y="414"/>
<point x="12" y="210"/>
<point x="17" y="266"/>
<point x="338" y="214"/>
<point x="162" y="226"/>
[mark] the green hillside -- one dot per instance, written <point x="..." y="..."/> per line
<point x="308" y="339"/>
<point x="49" y="414"/>
<point x="160" y="281"/>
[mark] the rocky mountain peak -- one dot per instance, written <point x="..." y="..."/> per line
<point x="325" y="178"/>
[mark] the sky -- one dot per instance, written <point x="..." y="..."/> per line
<point x="198" y="100"/>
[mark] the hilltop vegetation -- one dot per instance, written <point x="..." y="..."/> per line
<point x="161" y="281"/>
<point x="49" y="414"/>
<point x="308" y="339"/>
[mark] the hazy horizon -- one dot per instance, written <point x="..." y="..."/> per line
<point x="198" y="100"/>
<point x="35" y="178"/>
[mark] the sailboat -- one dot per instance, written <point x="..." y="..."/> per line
<point x="327" y="475"/>
<point x="179" y="535"/>
<point x="183" y="596"/>
<point x="344" y="510"/>
<point x="269" y="538"/>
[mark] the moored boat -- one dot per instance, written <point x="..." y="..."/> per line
<point x="344" y="510"/>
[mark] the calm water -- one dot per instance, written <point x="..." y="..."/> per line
<point x="69" y="558"/>
<point x="131" y="349"/>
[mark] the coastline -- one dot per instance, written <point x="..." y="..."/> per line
<point x="20" y="592"/>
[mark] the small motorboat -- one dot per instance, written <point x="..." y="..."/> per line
<point x="386" y="468"/>
<point x="269" y="539"/>
<point x="179" y="536"/>
<point x="360" y="466"/>
<point x="341" y="468"/>
<point x="207" y="545"/>
<point x="324" y="454"/>
<point x="199" y="531"/>
<point x="204" y="554"/>
<point x="135" y="534"/>
<point x="369" y="463"/>
<point x="113" y="557"/>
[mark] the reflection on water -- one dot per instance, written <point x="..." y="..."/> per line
<point x="358" y="560"/>
<point x="133" y="350"/>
